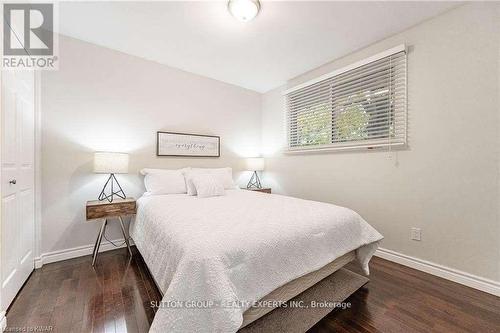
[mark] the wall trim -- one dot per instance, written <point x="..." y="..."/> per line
<point x="75" y="252"/>
<point x="451" y="274"/>
<point x="461" y="277"/>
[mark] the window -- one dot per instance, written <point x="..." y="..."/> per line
<point x="363" y="105"/>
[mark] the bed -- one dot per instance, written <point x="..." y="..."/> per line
<point x="214" y="258"/>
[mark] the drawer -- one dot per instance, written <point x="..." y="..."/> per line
<point x="110" y="209"/>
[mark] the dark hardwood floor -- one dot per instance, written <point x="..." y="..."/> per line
<point x="70" y="296"/>
<point x="401" y="299"/>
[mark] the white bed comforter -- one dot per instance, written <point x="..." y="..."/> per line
<point x="232" y="250"/>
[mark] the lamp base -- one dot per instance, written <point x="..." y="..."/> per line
<point x="111" y="182"/>
<point x="254" y="181"/>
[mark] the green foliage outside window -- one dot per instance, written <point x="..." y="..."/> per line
<point x="314" y="126"/>
<point x="352" y="122"/>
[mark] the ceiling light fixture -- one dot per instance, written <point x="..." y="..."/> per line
<point x="244" y="10"/>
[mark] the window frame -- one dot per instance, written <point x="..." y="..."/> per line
<point x="354" y="144"/>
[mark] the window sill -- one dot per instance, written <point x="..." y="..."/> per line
<point x="331" y="149"/>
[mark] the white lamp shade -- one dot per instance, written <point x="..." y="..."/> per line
<point x="255" y="164"/>
<point x="105" y="162"/>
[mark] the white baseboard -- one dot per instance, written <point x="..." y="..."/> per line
<point x="79" y="251"/>
<point x="3" y="321"/>
<point x="469" y="280"/>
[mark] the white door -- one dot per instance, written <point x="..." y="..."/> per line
<point x="17" y="182"/>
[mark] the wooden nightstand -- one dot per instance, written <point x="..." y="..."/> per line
<point x="106" y="210"/>
<point x="263" y="190"/>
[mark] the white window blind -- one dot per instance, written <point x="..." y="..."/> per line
<point x="362" y="105"/>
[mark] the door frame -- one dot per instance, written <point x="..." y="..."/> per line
<point x="3" y="319"/>
<point x="38" y="170"/>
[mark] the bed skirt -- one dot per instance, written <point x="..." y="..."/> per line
<point x="335" y="288"/>
<point x="295" y="287"/>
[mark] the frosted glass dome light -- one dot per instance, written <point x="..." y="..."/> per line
<point x="244" y="10"/>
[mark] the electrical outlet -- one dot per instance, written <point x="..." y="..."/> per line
<point x="416" y="234"/>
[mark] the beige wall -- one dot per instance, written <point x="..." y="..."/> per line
<point x="447" y="181"/>
<point x="101" y="99"/>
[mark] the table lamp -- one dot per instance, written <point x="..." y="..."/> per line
<point x="107" y="162"/>
<point x="255" y="164"/>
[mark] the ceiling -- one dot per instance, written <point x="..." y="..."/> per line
<point x="285" y="40"/>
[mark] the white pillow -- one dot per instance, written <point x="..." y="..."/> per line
<point x="163" y="181"/>
<point x="208" y="185"/>
<point x="225" y="175"/>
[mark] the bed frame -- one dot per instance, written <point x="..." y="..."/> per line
<point x="295" y="287"/>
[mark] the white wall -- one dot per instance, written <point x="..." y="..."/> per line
<point x="447" y="181"/>
<point x="103" y="100"/>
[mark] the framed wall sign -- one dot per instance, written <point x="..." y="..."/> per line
<point x="184" y="144"/>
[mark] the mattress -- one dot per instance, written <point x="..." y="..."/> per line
<point x="214" y="258"/>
